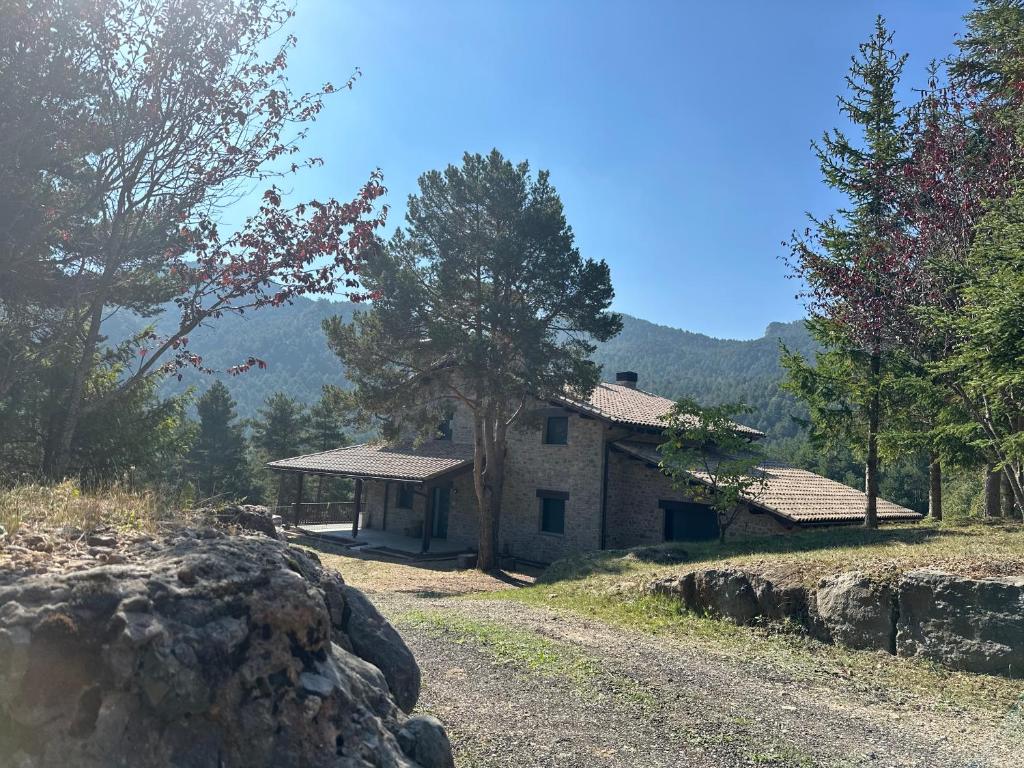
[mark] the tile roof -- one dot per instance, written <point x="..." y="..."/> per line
<point x="631" y="407"/>
<point x="796" y="494"/>
<point x="426" y="461"/>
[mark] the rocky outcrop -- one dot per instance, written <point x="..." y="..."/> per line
<point x="199" y="648"/>
<point x="733" y="594"/>
<point x="970" y="624"/>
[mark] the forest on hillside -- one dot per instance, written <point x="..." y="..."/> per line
<point x="670" y="362"/>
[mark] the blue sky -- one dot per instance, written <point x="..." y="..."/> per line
<point x="677" y="133"/>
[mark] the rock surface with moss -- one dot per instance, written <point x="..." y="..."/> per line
<point x="200" y="648"/>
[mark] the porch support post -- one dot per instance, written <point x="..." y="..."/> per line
<point x="428" y="518"/>
<point x="298" y="499"/>
<point x="359" y="506"/>
<point x="384" y="515"/>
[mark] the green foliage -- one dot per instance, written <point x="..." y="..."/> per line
<point x="217" y="462"/>
<point x="703" y="444"/>
<point x="279" y="431"/>
<point x="482" y="298"/>
<point x="986" y="369"/>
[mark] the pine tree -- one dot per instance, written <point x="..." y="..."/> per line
<point x="484" y="298"/>
<point x="328" y="419"/>
<point x="217" y="460"/>
<point x="279" y="431"/>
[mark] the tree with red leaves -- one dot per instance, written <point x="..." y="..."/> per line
<point x="185" y="113"/>
<point x="858" y="284"/>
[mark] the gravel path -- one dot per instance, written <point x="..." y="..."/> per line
<point x="655" y="704"/>
<point x="603" y="696"/>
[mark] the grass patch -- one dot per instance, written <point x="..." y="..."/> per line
<point x="910" y="683"/>
<point x="529" y="652"/>
<point x="505" y="645"/>
<point x="971" y="550"/>
<point x="67" y="505"/>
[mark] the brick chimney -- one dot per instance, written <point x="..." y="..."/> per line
<point x="626" y="379"/>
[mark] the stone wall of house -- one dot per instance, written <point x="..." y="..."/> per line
<point x="372" y="512"/>
<point x="406" y="521"/>
<point x="462" y="517"/>
<point x="634" y="517"/>
<point x="575" y="468"/>
<point x="462" y="521"/>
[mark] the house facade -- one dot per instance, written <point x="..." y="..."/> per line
<point x="580" y="475"/>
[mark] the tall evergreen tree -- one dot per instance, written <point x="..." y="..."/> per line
<point x="328" y="419"/>
<point x="859" y="285"/>
<point x="280" y="430"/>
<point x="217" y="460"/>
<point x="485" y="299"/>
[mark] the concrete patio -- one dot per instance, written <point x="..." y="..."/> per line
<point x="386" y="542"/>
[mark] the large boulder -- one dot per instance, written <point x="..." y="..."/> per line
<point x="971" y="624"/>
<point x="200" y="649"/>
<point x="736" y="595"/>
<point x="856" y="611"/>
<point x="250" y="517"/>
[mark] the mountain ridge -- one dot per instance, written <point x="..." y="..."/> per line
<point x="672" y="362"/>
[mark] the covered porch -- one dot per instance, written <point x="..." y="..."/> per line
<point x="383" y="542"/>
<point x="403" y="497"/>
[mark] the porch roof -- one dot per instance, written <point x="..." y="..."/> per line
<point x="408" y="463"/>
<point x="794" y="494"/>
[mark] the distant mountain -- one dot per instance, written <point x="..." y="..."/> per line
<point x="675" y="363"/>
<point x="669" y="361"/>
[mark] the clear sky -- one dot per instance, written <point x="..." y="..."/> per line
<point x="677" y="133"/>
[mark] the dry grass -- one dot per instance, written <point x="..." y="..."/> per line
<point x="66" y="505"/>
<point x="976" y="550"/>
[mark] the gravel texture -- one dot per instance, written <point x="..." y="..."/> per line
<point x="646" y="700"/>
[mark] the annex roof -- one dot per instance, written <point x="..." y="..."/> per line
<point x="411" y="463"/>
<point x="631" y="407"/>
<point x="795" y="494"/>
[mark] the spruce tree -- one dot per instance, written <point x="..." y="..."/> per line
<point x="279" y="431"/>
<point x="217" y="460"/>
<point x="858" y="283"/>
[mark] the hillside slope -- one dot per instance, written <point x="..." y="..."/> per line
<point x="669" y="361"/>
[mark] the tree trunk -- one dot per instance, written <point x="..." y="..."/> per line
<point x="935" y="487"/>
<point x="871" y="466"/>
<point x="1006" y="492"/>
<point x="60" y="457"/>
<point x="992" y="507"/>
<point x="485" y="558"/>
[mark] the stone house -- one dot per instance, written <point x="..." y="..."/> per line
<point x="580" y="475"/>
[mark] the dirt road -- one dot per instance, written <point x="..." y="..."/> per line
<point x="519" y="685"/>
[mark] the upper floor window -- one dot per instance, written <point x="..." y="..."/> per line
<point x="444" y="429"/>
<point x="556" y="430"/>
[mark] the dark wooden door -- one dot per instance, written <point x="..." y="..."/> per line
<point x="442" y="503"/>
<point x="689" y="521"/>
